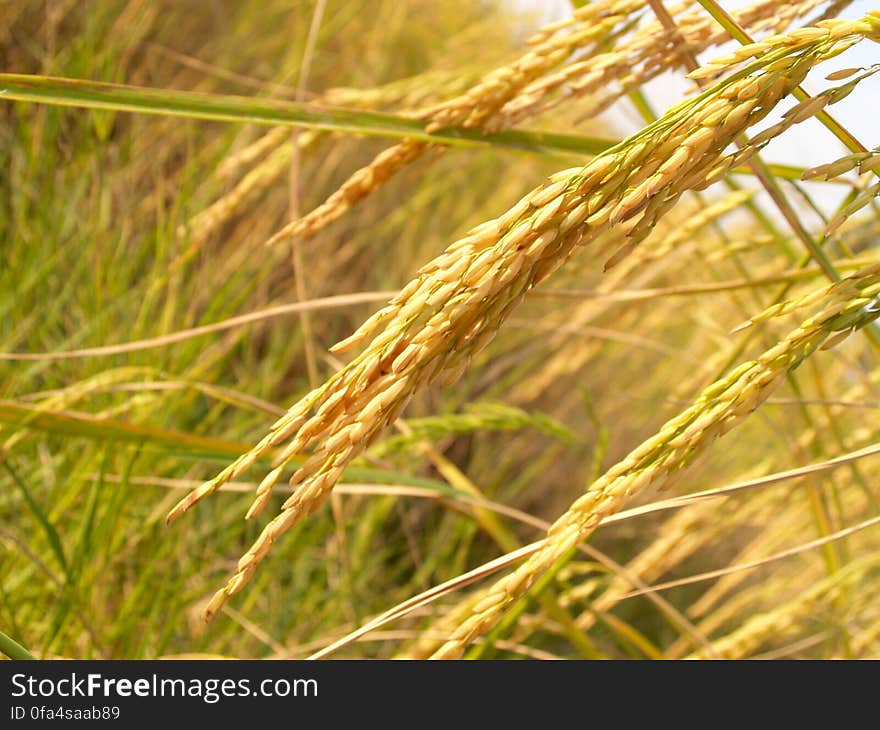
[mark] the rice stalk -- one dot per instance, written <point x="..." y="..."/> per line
<point x="785" y="619"/>
<point x="525" y="88"/>
<point x="441" y="319"/>
<point x="469" y="110"/>
<point x="656" y="462"/>
<point x="650" y="50"/>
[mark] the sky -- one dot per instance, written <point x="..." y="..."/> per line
<point x="809" y="143"/>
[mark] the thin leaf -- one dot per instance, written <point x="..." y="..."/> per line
<point x="217" y="107"/>
<point x="13" y="649"/>
<point x="42" y="518"/>
<point x="72" y="423"/>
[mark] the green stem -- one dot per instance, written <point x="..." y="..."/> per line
<point x="215" y="107"/>
<point x="737" y="32"/>
<point x="13" y="649"/>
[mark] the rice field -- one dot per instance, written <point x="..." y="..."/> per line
<point x="439" y="330"/>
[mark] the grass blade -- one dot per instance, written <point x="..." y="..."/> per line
<point x="222" y="108"/>
<point x="13" y="649"/>
<point x="72" y="423"/>
<point x="42" y="518"/>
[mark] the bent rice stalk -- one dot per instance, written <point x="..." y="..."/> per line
<point x="437" y="323"/>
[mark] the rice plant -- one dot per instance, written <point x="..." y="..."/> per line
<point x="412" y="331"/>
